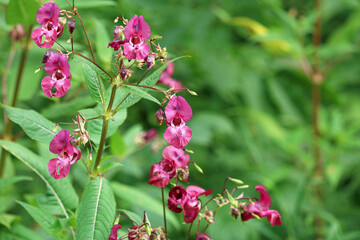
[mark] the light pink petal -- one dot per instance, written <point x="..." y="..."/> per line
<point x="179" y="137"/>
<point x="48" y="12"/>
<point x="60" y="142"/>
<point x="172" y="83"/>
<point x="58" y="168"/>
<point x="137" y="26"/>
<point x="47" y="84"/>
<point x="141" y="51"/>
<point x="176" y="155"/>
<point x="57" y="62"/>
<point x="129" y="51"/>
<point x="170" y="68"/>
<point x="178" y="107"/>
<point x="62" y="87"/>
<point x="37" y="36"/>
<point x="264" y="196"/>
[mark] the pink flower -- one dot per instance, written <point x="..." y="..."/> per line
<point x="67" y="155"/>
<point x="176" y="155"/>
<point x="58" y="67"/>
<point x="113" y="234"/>
<point x="188" y="200"/>
<point x="178" y="136"/>
<point x="47" y="16"/>
<point x="161" y="173"/>
<point x="202" y="236"/>
<point x="136" y="32"/>
<point x="166" y="79"/>
<point x="261" y="208"/>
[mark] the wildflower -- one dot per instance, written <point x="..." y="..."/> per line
<point x="188" y="200"/>
<point x="176" y="155"/>
<point x="166" y="78"/>
<point x="261" y="208"/>
<point x="161" y="173"/>
<point x="67" y="155"/>
<point x="113" y="234"/>
<point x="58" y="67"/>
<point x="47" y="16"/>
<point x="202" y="236"/>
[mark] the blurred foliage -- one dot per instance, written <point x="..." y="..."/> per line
<point x="252" y="118"/>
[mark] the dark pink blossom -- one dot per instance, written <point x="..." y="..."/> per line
<point x="178" y="136"/>
<point x="188" y="200"/>
<point x="202" y="236"/>
<point x="67" y="155"/>
<point x="136" y="32"/>
<point x="166" y="78"/>
<point x="176" y="155"/>
<point x="47" y="16"/>
<point x="161" y="173"/>
<point x="58" y="67"/>
<point x="176" y="110"/>
<point x="261" y="208"/>
<point x="113" y="234"/>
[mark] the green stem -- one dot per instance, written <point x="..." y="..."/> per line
<point x="164" y="212"/>
<point x="8" y="128"/>
<point x="106" y="117"/>
<point x="87" y="36"/>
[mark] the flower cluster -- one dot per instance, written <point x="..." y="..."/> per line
<point x="136" y="32"/>
<point x="261" y="208"/>
<point x="55" y="64"/>
<point x="67" y="155"/>
<point x="188" y="200"/>
<point x="47" y="16"/>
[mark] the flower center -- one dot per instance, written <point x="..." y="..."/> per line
<point x="58" y="75"/>
<point x="49" y="25"/>
<point x="135" y="40"/>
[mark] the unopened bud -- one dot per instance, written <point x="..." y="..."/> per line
<point x="150" y="61"/>
<point x="139" y="63"/>
<point x="62" y="20"/>
<point x="69" y="40"/>
<point x="46" y="56"/>
<point x="116" y="20"/>
<point x="71" y="26"/>
<point x="123" y="73"/>
<point x="198" y="168"/>
<point x="74" y="142"/>
<point x="17" y="32"/>
<point x="160" y="116"/>
<point x="238" y="181"/>
<point x="189" y="151"/>
<point x="192" y="92"/>
<point x="117" y="32"/>
<point x="234" y="212"/>
<point x="209" y="216"/>
<point x="184" y="174"/>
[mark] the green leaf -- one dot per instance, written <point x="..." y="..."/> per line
<point x="136" y="197"/>
<point x="102" y="40"/>
<point x="124" y="99"/>
<point x="22" y="12"/>
<point x="109" y="165"/>
<point x="133" y="216"/>
<point x="7" y="219"/>
<point x="97" y="69"/>
<point x="96" y="211"/>
<point x="4" y="182"/>
<point x="60" y="188"/>
<point x="94" y="84"/>
<point x="34" y="124"/>
<point x="139" y="92"/>
<point x="117" y="144"/>
<point x="94" y="127"/>
<point x="19" y="232"/>
<point x="47" y="221"/>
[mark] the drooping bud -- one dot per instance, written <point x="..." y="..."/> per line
<point x="123" y="73"/>
<point x="150" y="61"/>
<point x="117" y="32"/>
<point x="46" y="56"/>
<point x="74" y="142"/>
<point x="209" y="216"/>
<point x="184" y="173"/>
<point x="160" y="116"/>
<point x="202" y="236"/>
<point x="17" y="32"/>
<point x="234" y="212"/>
<point x="71" y="26"/>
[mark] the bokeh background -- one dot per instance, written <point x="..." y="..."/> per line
<point x="252" y="117"/>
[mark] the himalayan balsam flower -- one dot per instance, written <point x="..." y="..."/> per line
<point x="188" y="200"/>
<point x="178" y="112"/>
<point x="261" y="208"/>
<point x="113" y="234"/>
<point x="202" y="236"/>
<point x="166" y="78"/>
<point x="58" y="67"/>
<point x="67" y="155"/>
<point x="136" y="32"/>
<point x="47" y="16"/>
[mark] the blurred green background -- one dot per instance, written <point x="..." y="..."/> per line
<point x="253" y="116"/>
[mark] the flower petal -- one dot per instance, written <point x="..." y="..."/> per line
<point x="179" y="136"/>
<point x="48" y="12"/>
<point x="58" y="168"/>
<point x="37" y="36"/>
<point x="178" y="107"/>
<point x="47" y="84"/>
<point x="264" y="196"/>
<point x="61" y="142"/>
<point x="137" y="26"/>
<point x="62" y="87"/>
<point x="141" y="51"/>
<point x="176" y="155"/>
<point x="129" y="51"/>
<point x="58" y="62"/>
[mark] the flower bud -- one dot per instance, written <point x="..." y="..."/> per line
<point x="62" y="20"/>
<point x="234" y="212"/>
<point x="17" y="32"/>
<point x="123" y="73"/>
<point x="150" y="61"/>
<point x="209" y="216"/>
<point x="117" y="32"/>
<point x="74" y="142"/>
<point x="184" y="173"/>
<point x="160" y="116"/>
<point x="71" y="26"/>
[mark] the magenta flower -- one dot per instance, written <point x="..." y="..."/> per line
<point x="188" y="200"/>
<point x="261" y="208"/>
<point x="47" y="16"/>
<point x="113" y="234"/>
<point x="202" y="236"/>
<point x="178" y="112"/>
<point x="176" y="155"/>
<point x="58" y="67"/>
<point x="161" y="173"/>
<point x="166" y="78"/>
<point x="67" y="155"/>
<point x="136" y="32"/>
